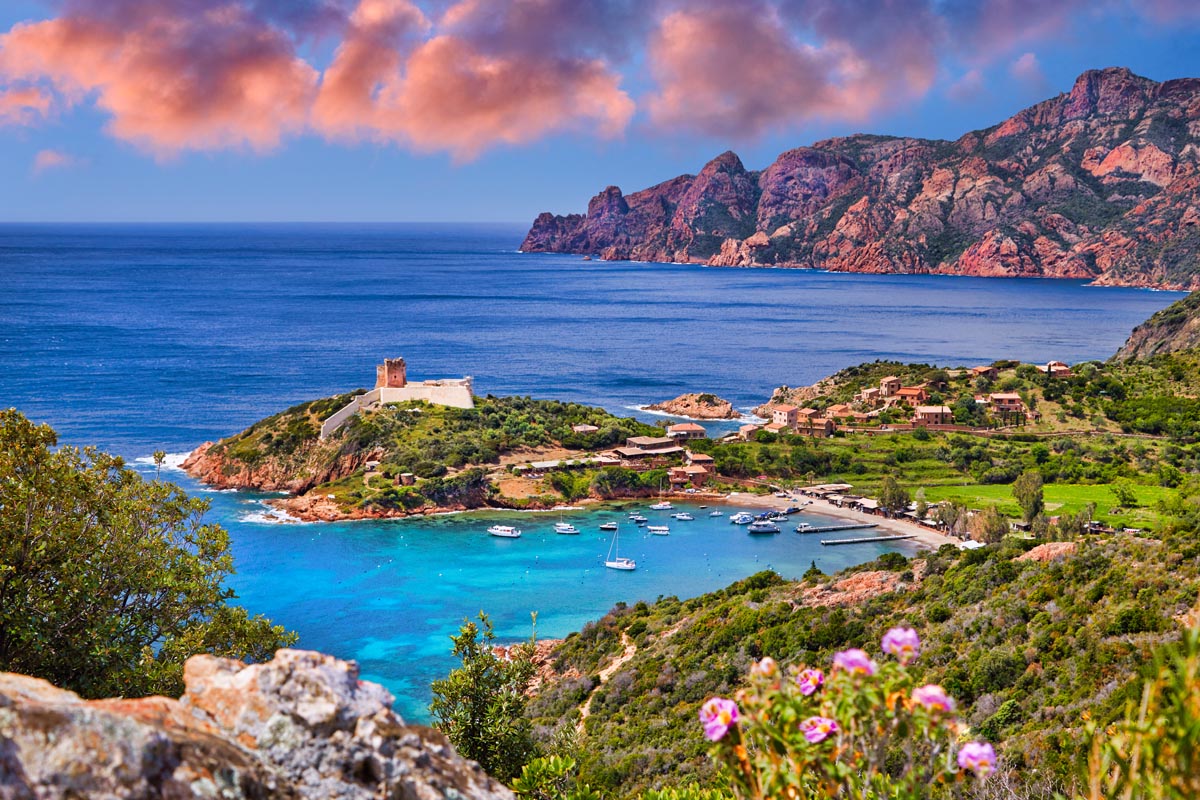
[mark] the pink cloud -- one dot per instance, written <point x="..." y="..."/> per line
<point x="1027" y="70"/>
<point x="174" y="77"/>
<point x="52" y="159"/>
<point x="24" y="106"/>
<point x="740" y="70"/>
<point x="967" y="88"/>
<point x="467" y="88"/>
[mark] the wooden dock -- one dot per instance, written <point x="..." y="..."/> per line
<point x="831" y="528"/>
<point x="865" y="539"/>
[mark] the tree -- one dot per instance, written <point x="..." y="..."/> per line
<point x="1027" y="489"/>
<point x="989" y="526"/>
<point x="893" y="497"/>
<point x="481" y="705"/>
<point x="108" y="582"/>
<point x="1124" y="492"/>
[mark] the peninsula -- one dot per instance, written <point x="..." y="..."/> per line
<point x="1101" y="183"/>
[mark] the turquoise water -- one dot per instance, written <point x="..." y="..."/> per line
<point x="139" y="338"/>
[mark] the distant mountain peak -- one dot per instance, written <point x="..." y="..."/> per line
<point x="1101" y="183"/>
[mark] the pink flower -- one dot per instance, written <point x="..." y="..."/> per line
<point x="979" y="757"/>
<point x="810" y="680"/>
<point x="817" y="729"/>
<point x="933" y="698"/>
<point x="767" y="668"/>
<point x="854" y="661"/>
<point x="903" y="643"/>
<point x="718" y="715"/>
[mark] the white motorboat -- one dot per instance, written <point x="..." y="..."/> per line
<point x="741" y="518"/>
<point x="762" y="526"/>
<point x="665" y="505"/>
<point x="658" y="530"/>
<point x="614" y="560"/>
<point x="608" y="526"/>
<point x="716" y="513"/>
<point x="683" y="515"/>
<point x="565" y="528"/>
<point x="638" y="518"/>
<point x="505" y="531"/>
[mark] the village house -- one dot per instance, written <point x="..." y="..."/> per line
<point x="984" y="372"/>
<point x="1056" y="369"/>
<point x="889" y="386"/>
<point x="698" y="459"/>
<point x="820" y="428"/>
<point x="840" y="411"/>
<point x="784" y="415"/>
<point x="912" y="395"/>
<point x="584" y="428"/>
<point x="868" y="397"/>
<point x="1006" y="402"/>
<point x="685" y="476"/>
<point x="687" y="430"/>
<point x="746" y="432"/>
<point x="648" y="447"/>
<point x="933" y="415"/>
<point x="776" y="427"/>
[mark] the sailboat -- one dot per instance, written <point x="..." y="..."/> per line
<point x="614" y="560"/>
<point x="562" y="526"/>
<point x="663" y="504"/>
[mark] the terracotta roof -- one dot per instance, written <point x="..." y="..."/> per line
<point x="687" y="426"/>
<point x="784" y="407"/>
<point x="933" y="409"/>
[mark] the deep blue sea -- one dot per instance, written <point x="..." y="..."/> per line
<point x="137" y="338"/>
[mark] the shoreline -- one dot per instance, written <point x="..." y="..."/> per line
<point x="923" y="537"/>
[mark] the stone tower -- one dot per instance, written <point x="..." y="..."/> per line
<point x="391" y="374"/>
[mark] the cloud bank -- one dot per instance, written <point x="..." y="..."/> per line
<point x="463" y="76"/>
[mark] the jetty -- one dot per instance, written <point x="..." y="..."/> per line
<point x="831" y="528"/>
<point x="865" y="539"/>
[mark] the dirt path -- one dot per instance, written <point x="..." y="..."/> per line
<point x="605" y="674"/>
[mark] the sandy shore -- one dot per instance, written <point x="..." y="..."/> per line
<point x="922" y="537"/>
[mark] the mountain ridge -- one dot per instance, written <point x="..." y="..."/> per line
<point x="1101" y="183"/>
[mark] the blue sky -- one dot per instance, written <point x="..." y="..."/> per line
<point x="628" y="106"/>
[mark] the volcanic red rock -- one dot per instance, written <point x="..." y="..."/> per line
<point x="1100" y="183"/>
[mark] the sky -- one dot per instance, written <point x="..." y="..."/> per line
<point x="496" y="110"/>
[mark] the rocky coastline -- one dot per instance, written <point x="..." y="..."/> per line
<point x="697" y="406"/>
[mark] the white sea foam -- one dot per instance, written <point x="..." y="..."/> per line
<point x="269" y="515"/>
<point x="743" y="417"/>
<point x="170" y="461"/>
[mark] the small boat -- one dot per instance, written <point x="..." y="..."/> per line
<point x="716" y="513"/>
<point x="778" y="516"/>
<point x="703" y="507"/>
<point x="638" y="518"/>
<point x="792" y="510"/>
<point x="614" y="560"/>
<point x="659" y="530"/>
<point x="763" y="526"/>
<point x="505" y="531"/>
<point x="741" y="518"/>
<point x="565" y="528"/>
<point x="683" y="515"/>
<point x="608" y="526"/>
<point x="665" y="505"/>
<point x="804" y="527"/>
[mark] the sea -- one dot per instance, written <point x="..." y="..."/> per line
<point x="136" y="338"/>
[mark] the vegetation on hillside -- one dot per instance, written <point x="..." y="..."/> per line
<point x="109" y="582"/>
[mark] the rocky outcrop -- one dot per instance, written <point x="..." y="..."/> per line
<point x="313" y="464"/>
<point x="1050" y="551"/>
<point x="1101" y="183"/>
<point x="300" y="726"/>
<point x="1176" y="327"/>
<point x="697" y="406"/>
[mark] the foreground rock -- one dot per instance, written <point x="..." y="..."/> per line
<point x="1100" y="183"/>
<point x="697" y="406"/>
<point x="301" y="726"/>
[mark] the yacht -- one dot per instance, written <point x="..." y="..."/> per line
<point x="565" y="528"/>
<point x="741" y="518"/>
<point x="763" y="526"/>
<point x="614" y="560"/>
<point x="608" y="526"/>
<point x="638" y="518"/>
<point x="665" y="505"/>
<point x="659" y="530"/>
<point x="683" y="515"/>
<point x="716" y="513"/>
<point x="505" y="531"/>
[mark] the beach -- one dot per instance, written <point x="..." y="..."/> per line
<point x="923" y="537"/>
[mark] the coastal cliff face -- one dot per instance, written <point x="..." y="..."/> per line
<point x="300" y="726"/>
<point x="295" y="472"/>
<point x="1175" y="328"/>
<point x="1101" y="183"/>
<point x="697" y="406"/>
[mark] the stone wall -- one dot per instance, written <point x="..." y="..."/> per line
<point x="300" y="726"/>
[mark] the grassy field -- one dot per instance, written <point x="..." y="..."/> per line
<point x="1060" y="498"/>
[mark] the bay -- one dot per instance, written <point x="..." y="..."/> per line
<point x="137" y="338"/>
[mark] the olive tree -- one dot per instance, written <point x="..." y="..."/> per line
<point x="108" y="582"/>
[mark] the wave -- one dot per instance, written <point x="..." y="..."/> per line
<point x="170" y="461"/>
<point x="267" y="515"/>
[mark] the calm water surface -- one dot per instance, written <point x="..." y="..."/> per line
<point x="137" y="338"/>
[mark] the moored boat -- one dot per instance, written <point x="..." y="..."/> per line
<point x="565" y="528"/>
<point x="665" y="505"/>
<point x="505" y="531"/>
<point x="741" y="518"/>
<point x="608" y="526"/>
<point x="658" y="530"/>
<point x="683" y="515"/>
<point x="762" y="526"/>
<point x="614" y="559"/>
<point x="716" y="513"/>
